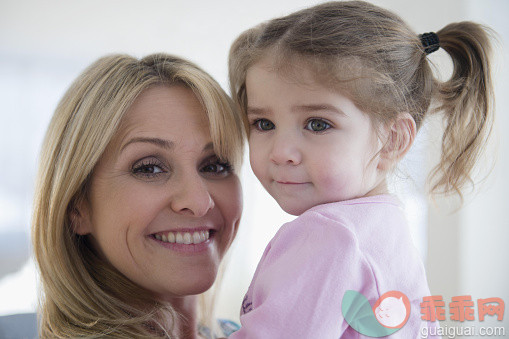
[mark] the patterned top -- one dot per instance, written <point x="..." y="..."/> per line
<point x="227" y="327"/>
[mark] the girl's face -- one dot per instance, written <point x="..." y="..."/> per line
<point x="309" y="144"/>
<point x="162" y="208"/>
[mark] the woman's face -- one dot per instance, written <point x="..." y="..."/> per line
<point x="162" y="208"/>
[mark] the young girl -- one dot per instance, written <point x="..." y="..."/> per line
<point x="332" y="97"/>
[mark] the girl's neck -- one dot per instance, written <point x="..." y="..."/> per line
<point x="379" y="189"/>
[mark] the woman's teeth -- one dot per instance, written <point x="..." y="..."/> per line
<point x="184" y="237"/>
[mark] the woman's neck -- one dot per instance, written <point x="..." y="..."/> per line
<point x="187" y="322"/>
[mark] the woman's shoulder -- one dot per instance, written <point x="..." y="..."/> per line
<point x="228" y="326"/>
<point x="223" y="328"/>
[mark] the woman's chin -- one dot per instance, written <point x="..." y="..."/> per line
<point x="187" y="288"/>
<point x="198" y="288"/>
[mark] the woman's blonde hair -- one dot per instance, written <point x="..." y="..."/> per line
<point x="84" y="296"/>
<point x="372" y="55"/>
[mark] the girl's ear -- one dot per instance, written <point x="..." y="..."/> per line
<point x="80" y="218"/>
<point x="400" y="137"/>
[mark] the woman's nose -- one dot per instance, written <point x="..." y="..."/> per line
<point x="191" y="196"/>
<point x="285" y="150"/>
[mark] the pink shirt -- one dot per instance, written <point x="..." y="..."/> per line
<point x="362" y="245"/>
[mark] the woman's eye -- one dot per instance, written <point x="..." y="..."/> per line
<point x="148" y="168"/>
<point x="317" y="125"/>
<point x="217" y="168"/>
<point x="263" y="124"/>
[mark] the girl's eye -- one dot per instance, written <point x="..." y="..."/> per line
<point x="264" y="124"/>
<point x="217" y="168"/>
<point x="148" y="168"/>
<point x="317" y="125"/>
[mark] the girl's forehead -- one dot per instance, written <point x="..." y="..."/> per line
<point x="298" y="77"/>
<point x="290" y="66"/>
<point x="346" y="74"/>
<point x="292" y="73"/>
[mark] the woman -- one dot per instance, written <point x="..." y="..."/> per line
<point x="137" y="199"/>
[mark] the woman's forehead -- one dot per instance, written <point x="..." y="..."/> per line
<point x="165" y="113"/>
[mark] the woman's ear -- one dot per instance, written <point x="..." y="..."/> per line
<point x="400" y="137"/>
<point x="80" y="218"/>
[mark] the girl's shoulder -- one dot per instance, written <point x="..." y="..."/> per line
<point x="363" y="203"/>
<point x="343" y="220"/>
<point x="358" y="211"/>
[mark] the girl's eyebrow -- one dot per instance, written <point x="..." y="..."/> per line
<point x="317" y="108"/>
<point x="300" y="109"/>
<point x="255" y="111"/>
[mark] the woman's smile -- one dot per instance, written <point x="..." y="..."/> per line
<point x="186" y="240"/>
<point x="195" y="242"/>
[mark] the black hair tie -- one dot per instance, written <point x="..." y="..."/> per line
<point x="430" y="42"/>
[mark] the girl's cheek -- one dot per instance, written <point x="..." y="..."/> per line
<point x="257" y="161"/>
<point x="331" y="176"/>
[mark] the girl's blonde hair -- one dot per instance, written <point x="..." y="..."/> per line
<point x="372" y="55"/>
<point x="84" y="296"/>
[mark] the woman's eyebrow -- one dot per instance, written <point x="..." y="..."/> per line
<point x="208" y="147"/>
<point x="156" y="141"/>
<point x="161" y="143"/>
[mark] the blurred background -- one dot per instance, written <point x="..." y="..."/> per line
<point x="44" y="45"/>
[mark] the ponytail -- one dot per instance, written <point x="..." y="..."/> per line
<point x="466" y="101"/>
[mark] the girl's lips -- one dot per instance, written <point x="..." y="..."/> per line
<point x="290" y="183"/>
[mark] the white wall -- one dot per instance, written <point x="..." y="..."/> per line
<point x="45" y="44"/>
<point x="477" y="263"/>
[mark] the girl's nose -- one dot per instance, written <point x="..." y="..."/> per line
<point x="285" y="150"/>
<point x="191" y="196"/>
